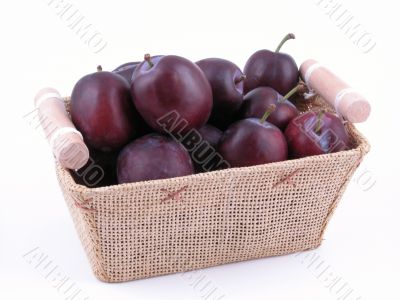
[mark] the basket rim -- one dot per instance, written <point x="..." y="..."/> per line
<point x="362" y="148"/>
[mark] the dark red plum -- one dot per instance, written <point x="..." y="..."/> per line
<point x="126" y="70"/>
<point x="315" y="133"/>
<point x="102" y="110"/>
<point x="226" y="80"/>
<point x="100" y="170"/>
<point x="210" y="137"/>
<point x="210" y="134"/>
<point x="274" y="69"/>
<point x="151" y="157"/>
<point x="153" y="58"/>
<point x="249" y="142"/>
<point x="171" y="83"/>
<point x="257" y="101"/>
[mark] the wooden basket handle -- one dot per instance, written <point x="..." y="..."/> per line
<point x="346" y="101"/>
<point x="65" y="140"/>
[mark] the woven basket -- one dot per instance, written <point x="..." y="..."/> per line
<point x="144" y="229"/>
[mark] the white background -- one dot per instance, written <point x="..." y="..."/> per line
<point x="38" y="49"/>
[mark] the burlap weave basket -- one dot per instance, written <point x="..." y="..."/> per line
<point x="144" y="229"/>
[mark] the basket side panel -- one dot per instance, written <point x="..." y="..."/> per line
<point x="221" y="217"/>
<point x="84" y="222"/>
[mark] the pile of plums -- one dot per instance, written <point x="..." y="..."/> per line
<point x="167" y="116"/>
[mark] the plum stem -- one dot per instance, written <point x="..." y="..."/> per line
<point x="319" y="121"/>
<point x="293" y="91"/>
<point x="287" y="37"/>
<point x="270" y="110"/>
<point x="272" y="107"/>
<point x="147" y="58"/>
<point x="99" y="68"/>
<point x="240" y="79"/>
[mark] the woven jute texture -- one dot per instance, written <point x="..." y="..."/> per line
<point x="144" y="229"/>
